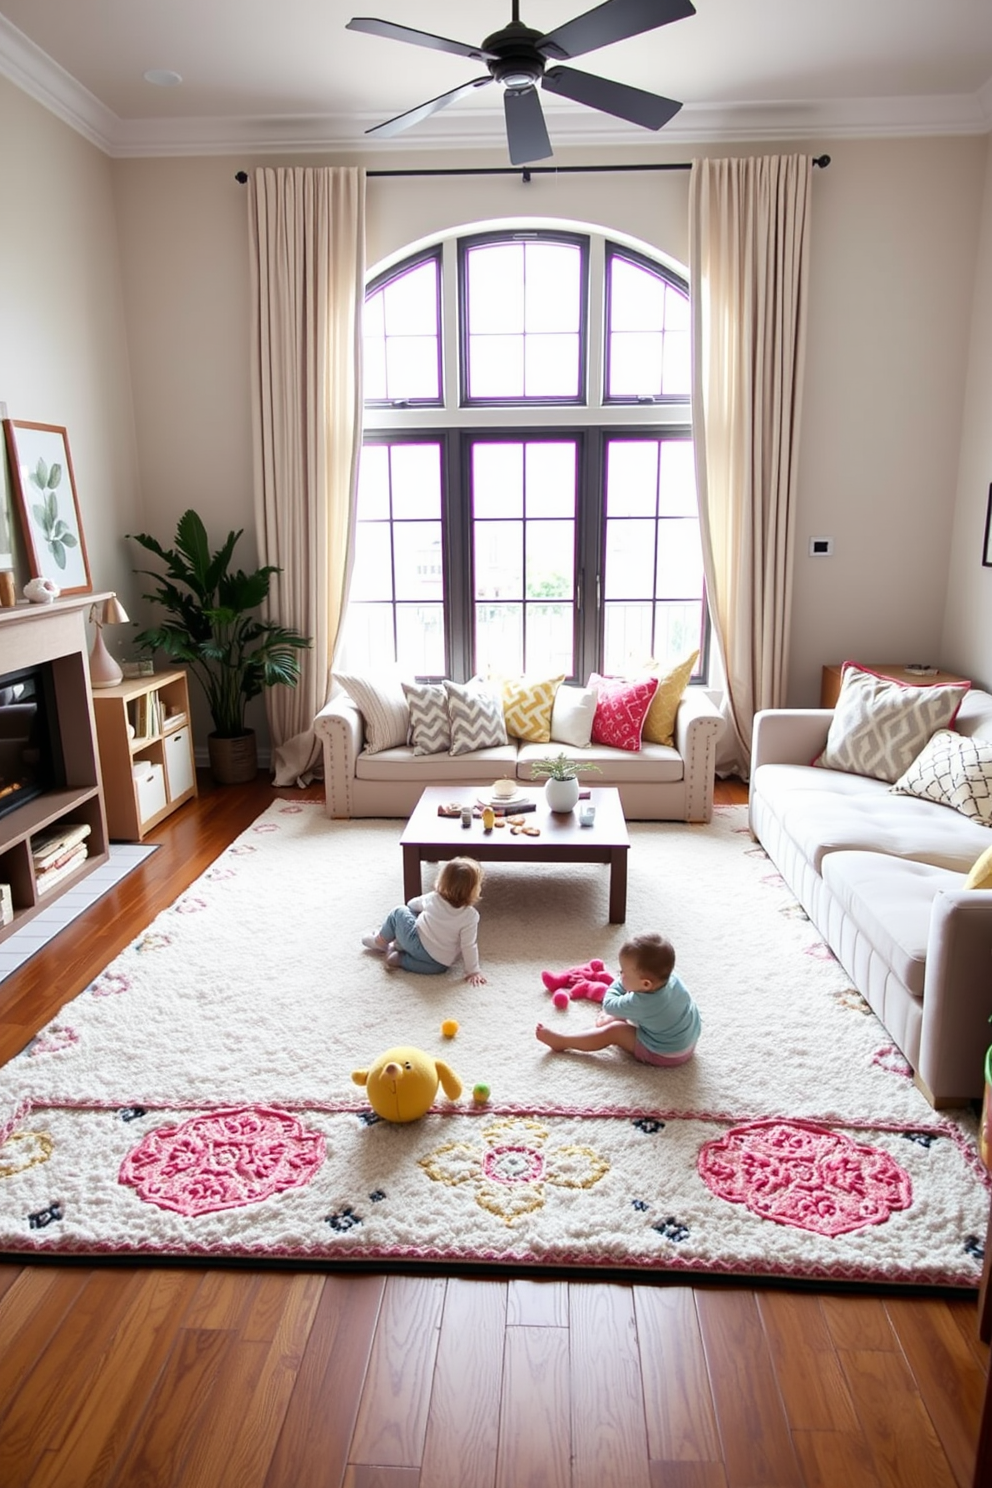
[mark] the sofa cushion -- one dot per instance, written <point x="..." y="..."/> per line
<point x="952" y="771"/>
<point x="476" y="717"/>
<point x="527" y="706"/>
<point x="659" y="725"/>
<point x="621" y="708"/>
<point x="479" y="768"/>
<point x="825" y="822"/>
<point x="383" y="708"/>
<point x="652" y="764"/>
<point x="572" y="715"/>
<point x="879" y="726"/>
<point x="889" y="900"/>
<point x="430" y="727"/>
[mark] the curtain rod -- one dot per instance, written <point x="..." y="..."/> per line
<point x="525" y="172"/>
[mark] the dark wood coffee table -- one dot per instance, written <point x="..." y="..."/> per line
<point x="431" y="838"/>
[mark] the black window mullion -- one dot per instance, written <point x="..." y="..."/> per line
<point x="589" y="560"/>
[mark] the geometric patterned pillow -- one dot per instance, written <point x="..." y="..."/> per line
<point x="621" y="708"/>
<point x="659" y="726"/>
<point x="527" y="706"/>
<point x="383" y="708"/>
<point x="430" y="727"/>
<point x="953" y="771"/>
<point x="880" y="726"/>
<point x="476" y="718"/>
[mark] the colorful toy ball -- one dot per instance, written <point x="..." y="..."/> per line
<point x="481" y="1093"/>
<point x="449" y="1027"/>
<point x="561" y="1001"/>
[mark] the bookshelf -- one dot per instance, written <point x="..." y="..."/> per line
<point x="146" y="751"/>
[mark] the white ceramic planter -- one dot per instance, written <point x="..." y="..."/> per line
<point x="562" y="795"/>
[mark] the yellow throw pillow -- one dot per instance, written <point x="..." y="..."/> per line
<point x="527" y="705"/>
<point x="980" y="876"/>
<point x="659" y="726"/>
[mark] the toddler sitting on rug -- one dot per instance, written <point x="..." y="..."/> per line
<point x="647" y="1010"/>
<point x="433" y="930"/>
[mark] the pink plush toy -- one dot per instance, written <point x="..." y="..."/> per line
<point x="590" y="980"/>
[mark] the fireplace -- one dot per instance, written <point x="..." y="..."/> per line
<point x="30" y="753"/>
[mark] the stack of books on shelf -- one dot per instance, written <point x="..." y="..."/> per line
<point x="57" y="852"/>
<point x="149" y="713"/>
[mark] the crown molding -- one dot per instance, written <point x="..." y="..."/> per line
<point x="36" y="74"/>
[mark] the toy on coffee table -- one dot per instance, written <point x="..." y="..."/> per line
<point x="589" y="980"/>
<point x="402" y="1083"/>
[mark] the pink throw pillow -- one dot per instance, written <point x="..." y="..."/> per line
<point x="621" y="708"/>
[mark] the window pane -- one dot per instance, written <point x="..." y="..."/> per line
<point x="550" y="560"/>
<point x="368" y="641"/>
<point x="637" y="297"/>
<point x="676" y="309"/>
<point x="626" y="638"/>
<point x="550" y="629"/>
<point x="420" y="639"/>
<point x="553" y="285"/>
<point x="551" y="366"/>
<point x="416" y="471"/>
<point x="373" y="482"/>
<point x="495" y="366"/>
<point x="401" y="330"/>
<point x="374" y="369"/>
<point x="372" y="575"/>
<point x="629" y="569"/>
<point x="677" y="497"/>
<point x="497" y="480"/>
<point x="410" y="303"/>
<point x="499" y="560"/>
<point x="632" y="477"/>
<point x="411" y="367"/>
<point x="499" y="638"/>
<point x="635" y="364"/>
<point x="550" y="479"/>
<point x="678" y="632"/>
<point x="417" y="559"/>
<point x="676" y="378"/>
<point x="495" y="288"/>
<point x="680" y="560"/>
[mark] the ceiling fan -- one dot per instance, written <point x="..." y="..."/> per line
<point x="518" y="58"/>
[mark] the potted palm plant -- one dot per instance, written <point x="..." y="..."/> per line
<point x="212" y="627"/>
<point x="561" y="775"/>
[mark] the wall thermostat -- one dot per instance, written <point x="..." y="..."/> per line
<point x="821" y="547"/>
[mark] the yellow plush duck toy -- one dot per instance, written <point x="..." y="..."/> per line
<point x="402" y="1083"/>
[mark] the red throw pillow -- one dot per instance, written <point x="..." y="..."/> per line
<point x="621" y="708"/>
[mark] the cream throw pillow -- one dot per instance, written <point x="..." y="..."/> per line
<point x="880" y="726"/>
<point x="383" y="708"/>
<point x="527" y="705"/>
<point x="572" y="716"/>
<point x="980" y="876"/>
<point x="659" y="725"/>
<point x="952" y="771"/>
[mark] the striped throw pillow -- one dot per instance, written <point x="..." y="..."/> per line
<point x="383" y="708"/>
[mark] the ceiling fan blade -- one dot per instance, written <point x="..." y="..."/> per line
<point x="526" y="131"/>
<point x="424" y="110"/>
<point x="417" y="38"/>
<point x="647" y="109"/>
<point x="611" y="22"/>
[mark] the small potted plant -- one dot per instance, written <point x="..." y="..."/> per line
<point x="561" y="774"/>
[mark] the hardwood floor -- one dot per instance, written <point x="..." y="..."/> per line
<point x="130" y="1376"/>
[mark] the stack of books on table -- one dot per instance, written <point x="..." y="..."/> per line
<point x="57" y="852"/>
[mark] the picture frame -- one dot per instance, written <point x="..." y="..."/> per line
<point x="987" y="544"/>
<point x="47" y="505"/>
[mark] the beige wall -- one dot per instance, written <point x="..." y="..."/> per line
<point x="896" y="235"/>
<point x="63" y="354"/>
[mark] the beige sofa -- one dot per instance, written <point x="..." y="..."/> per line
<point x="656" y="784"/>
<point x="881" y="876"/>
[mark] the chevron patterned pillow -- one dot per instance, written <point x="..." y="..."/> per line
<point x="953" y="771"/>
<point x="880" y="726"/>
<point x="430" y="728"/>
<point x="476" y="718"/>
<point x="527" y="705"/>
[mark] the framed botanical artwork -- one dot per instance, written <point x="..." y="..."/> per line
<point x="987" y="544"/>
<point x="45" y="495"/>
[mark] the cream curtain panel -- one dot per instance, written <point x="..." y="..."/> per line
<point x="307" y="240"/>
<point x="749" y="230"/>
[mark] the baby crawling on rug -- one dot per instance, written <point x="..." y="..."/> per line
<point x="647" y="1010"/>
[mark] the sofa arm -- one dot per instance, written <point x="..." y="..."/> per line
<point x="788" y="736"/>
<point x="341" y="730"/>
<point x="957" y="997"/>
<point x="698" y="726"/>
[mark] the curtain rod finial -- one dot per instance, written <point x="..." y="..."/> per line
<point x="822" y="161"/>
<point x="241" y="177"/>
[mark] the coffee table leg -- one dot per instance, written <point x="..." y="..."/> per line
<point x="412" y="883"/>
<point x="618" y="885"/>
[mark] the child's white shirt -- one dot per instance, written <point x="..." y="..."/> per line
<point x="447" y="933"/>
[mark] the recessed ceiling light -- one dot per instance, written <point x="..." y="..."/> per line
<point x="161" y="77"/>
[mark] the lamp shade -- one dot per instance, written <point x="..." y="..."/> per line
<point x="113" y="612"/>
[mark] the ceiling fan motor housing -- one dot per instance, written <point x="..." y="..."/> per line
<point x="517" y="62"/>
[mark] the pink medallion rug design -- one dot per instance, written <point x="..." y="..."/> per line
<point x="196" y="1100"/>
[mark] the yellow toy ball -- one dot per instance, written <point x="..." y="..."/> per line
<point x="449" y="1027"/>
<point x="481" y="1093"/>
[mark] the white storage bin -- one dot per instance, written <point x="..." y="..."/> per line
<point x="178" y="763"/>
<point x="149" y="780"/>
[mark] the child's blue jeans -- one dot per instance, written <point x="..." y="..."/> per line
<point x="401" y="926"/>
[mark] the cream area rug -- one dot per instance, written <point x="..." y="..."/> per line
<point x="197" y="1101"/>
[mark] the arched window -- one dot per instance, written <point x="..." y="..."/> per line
<point x="527" y="495"/>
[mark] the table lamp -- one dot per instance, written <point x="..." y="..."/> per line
<point x="104" y="671"/>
